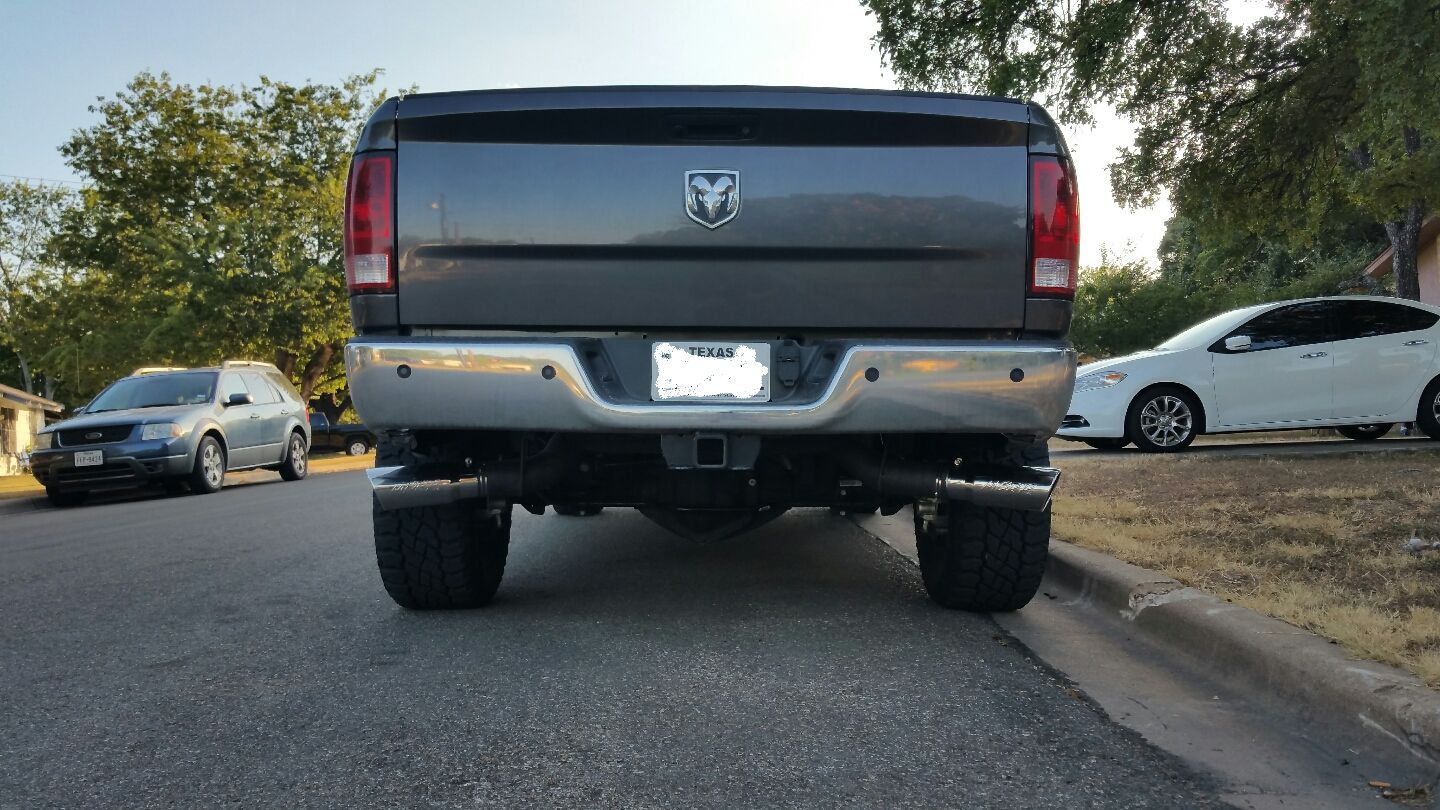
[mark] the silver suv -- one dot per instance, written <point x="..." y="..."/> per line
<point x="179" y="426"/>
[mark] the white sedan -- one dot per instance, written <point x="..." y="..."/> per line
<point x="1356" y="363"/>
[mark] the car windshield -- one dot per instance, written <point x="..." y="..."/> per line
<point x="1202" y="332"/>
<point x="193" y="388"/>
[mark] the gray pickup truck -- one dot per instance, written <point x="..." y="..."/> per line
<point x="711" y="304"/>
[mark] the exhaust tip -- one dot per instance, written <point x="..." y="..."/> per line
<point x="1025" y="488"/>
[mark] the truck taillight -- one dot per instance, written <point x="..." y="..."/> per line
<point x="369" y="237"/>
<point x="1054" y="227"/>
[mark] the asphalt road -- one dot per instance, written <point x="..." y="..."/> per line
<point x="238" y="648"/>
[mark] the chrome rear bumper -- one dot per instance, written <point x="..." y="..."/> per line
<point x="503" y="384"/>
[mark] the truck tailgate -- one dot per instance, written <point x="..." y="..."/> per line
<point x="550" y="209"/>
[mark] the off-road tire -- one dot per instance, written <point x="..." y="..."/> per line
<point x="572" y="510"/>
<point x="201" y="479"/>
<point x="64" y="500"/>
<point x="1364" y="433"/>
<point x="1427" y="417"/>
<point x="297" y="457"/>
<point x="1108" y="444"/>
<point x="982" y="558"/>
<point x="443" y="557"/>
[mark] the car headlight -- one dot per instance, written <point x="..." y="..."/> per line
<point x="1098" y="379"/>
<point x="161" y="430"/>
<point x="43" y="441"/>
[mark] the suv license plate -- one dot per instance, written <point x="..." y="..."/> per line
<point x="89" y="458"/>
<point x="694" y="371"/>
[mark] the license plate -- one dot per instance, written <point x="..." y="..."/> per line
<point x="89" y="458"/>
<point x="694" y="371"/>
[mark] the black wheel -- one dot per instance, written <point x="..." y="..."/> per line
<point x="65" y="499"/>
<point x="437" y="557"/>
<point x="209" y="473"/>
<point x="573" y="510"/>
<point x="1163" y="419"/>
<point x="357" y="447"/>
<point x="1427" y="417"/>
<point x="297" y="458"/>
<point x="1364" y="433"/>
<point x="1108" y="444"/>
<point x="982" y="558"/>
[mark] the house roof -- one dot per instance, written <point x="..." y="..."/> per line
<point x="16" y="398"/>
<point x="1383" y="264"/>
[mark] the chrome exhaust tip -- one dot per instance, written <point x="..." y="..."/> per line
<point x="409" y="487"/>
<point x="1026" y="488"/>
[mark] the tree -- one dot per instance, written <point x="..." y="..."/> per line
<point x="28" y="215"/>
<point x="210" y="225"/>
<point x="1320" y="105"/>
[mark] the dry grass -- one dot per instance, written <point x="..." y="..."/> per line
<point x="1313" y="541"/>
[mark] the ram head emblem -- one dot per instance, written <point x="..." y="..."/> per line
<point x="712" y="196"/>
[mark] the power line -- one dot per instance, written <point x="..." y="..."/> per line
<point x="41" y="179"/>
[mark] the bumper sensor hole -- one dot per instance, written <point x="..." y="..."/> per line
<point x="1017" y="374"/>
<point x="548" y="372"/>
<point x="403" y="370"/>
<point x="872" y="374"/>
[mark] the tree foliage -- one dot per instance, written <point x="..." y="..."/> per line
<point x="209" y="228"/>
<point x="1322" y="105"/>
<point x="1123" y="306"/>
<point x="29" y="213"/>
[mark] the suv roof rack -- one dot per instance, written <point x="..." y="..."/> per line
<point x="156" y="370"/>
<point x="249" y="364"/>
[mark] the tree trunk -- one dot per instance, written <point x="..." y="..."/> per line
<point x="285" y="361"/>
<point x="1405" y="241"/>
<point x="332" y="408"/>
<point x="25" y="378"/>
<point x="319" y="361"/>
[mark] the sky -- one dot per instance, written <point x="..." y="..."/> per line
<point x="61" y="54"/>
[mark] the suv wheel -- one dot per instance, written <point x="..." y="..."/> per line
<point x="983" y="558"/>
<point x="209" y="473"/>
<point x="357" y="447"/>
<point x="65" y="499"/>
<point x="1164" y="419"/>
<point x="297" y="458"/>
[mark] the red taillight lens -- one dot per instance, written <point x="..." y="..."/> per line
<point x="1054" y="227"/>
<point x="369" y="238"/>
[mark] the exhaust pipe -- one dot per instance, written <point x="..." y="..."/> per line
<point x="1003" y="487"/>
<point x="407" y="487"/>
<point x="1026" y="488"/>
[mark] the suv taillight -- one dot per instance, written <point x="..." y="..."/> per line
<point x="1054" y="227"/>
<point x="369" y="238"/>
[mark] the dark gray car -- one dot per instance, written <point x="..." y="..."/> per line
<point x="176" y="426"/>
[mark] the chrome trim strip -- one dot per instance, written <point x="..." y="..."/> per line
<point x="499" y="385"/>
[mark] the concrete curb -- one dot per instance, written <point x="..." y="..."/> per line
<point x="1314" y="675"/>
